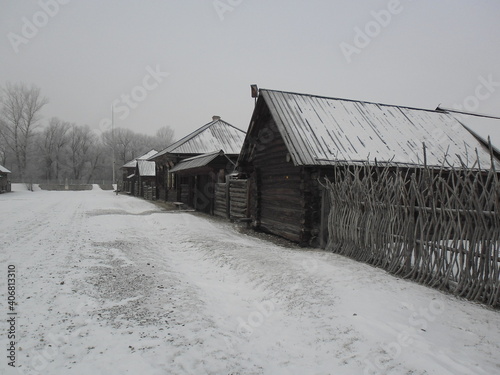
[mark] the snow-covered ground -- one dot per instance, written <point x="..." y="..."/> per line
<point x="110" y="284"/>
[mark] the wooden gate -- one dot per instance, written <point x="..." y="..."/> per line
<point x="231" y="199"/>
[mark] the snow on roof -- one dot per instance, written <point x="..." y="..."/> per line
<point x="130" y="164"/>
<point x="321" y="131"/>
<point x="3" y="169"/>
<point x="196" y="161"/>
<point x="482" y="129"/>
<point x="146" y="168"/>
<point x="147" y="155"/>
<point x="133" y="163"/>
<point x="216" y="135"/>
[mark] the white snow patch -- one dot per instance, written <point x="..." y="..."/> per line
<point x="109" y="284"/>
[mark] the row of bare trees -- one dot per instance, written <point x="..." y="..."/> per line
<point x="57" y="149"/>
<point x="21" y="106"/>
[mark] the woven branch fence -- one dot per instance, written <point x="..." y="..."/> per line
<point x="439" y="227"/>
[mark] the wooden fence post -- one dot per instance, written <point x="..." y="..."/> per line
<point x="228" y="200"/>
<point x="325" y="211"/>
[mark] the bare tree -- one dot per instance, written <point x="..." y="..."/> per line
<point x="124" y="141"/>
<point x="51" y="143"/>
<point x="81" y="141"/>
<point x="61" y="141"/>
<point x="20" y="112"/>
<point x="129" y="145"/>
<point x="3" y="145"/>
<point x="164" y="137"/>
<point x="121" y="141"/>
<point x="96" y="159"/>
<point x="141" y="143"/>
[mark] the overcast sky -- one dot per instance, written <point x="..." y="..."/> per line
<point x="177" y="63"/>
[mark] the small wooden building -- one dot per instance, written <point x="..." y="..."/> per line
<point x="4" y="180"/>
<point x="145" y="179"/>
<point x="294" y="140"/>
<point x="204" y="147"/>
<point x="200" y="174"/>
<point x="129" y="178"/>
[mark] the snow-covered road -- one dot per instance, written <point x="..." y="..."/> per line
<point x="110" y="284"/>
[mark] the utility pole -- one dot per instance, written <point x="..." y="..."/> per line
<point x="113" y="141"/>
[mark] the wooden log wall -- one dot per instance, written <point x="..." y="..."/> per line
<point x="237" y="199"/>
<point x="136" y="188"/>
<point x="278" y="200"/>
<point x="312" y="204"/>
<point x="149" y="191"/>
<point x="220" y="206"/>
<point x="438" y="227"/>
<point x="5" y="185"/>
<point x="231" y="199"/>
<point x="161" y="181"/>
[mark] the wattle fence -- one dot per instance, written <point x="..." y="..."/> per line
<point x="439" y="227"/>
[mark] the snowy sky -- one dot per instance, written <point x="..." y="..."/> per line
<point x="178" y="63"/>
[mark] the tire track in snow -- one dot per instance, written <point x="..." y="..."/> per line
<point x="41" y="246"/>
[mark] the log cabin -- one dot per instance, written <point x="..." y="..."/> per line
<point x="200" y="174"/>
<point x="294" y="140"/>
<point x="211" y="147"/>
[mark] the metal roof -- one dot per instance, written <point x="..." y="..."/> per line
<point x="147" y="155"/>
<point x="130" y="164"/>
<point x="321" y="131"/>
<point x="146" y="168"/>
<point x="196" y="161"/>
<point x="133" y="163"/>
<point x="4" y="170"/>
<point x="216" y="135"/>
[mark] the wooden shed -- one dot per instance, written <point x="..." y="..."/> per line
<point x="294" y="140"/>
<point x="129" y="177"/>
<point x="4" y="180"/>
<point x="199" y="175"/>
<point x="145" y="179"/>
<point x="210" y="148"/>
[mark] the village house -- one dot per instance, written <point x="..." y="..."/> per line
<point x="295" y="140"/>
<point x="200" y="174"/>
<point x="145" y="180"/>
<point x="130" y="175"/>
<point x="4" y="180"/>
<point x="187" y="170"/>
